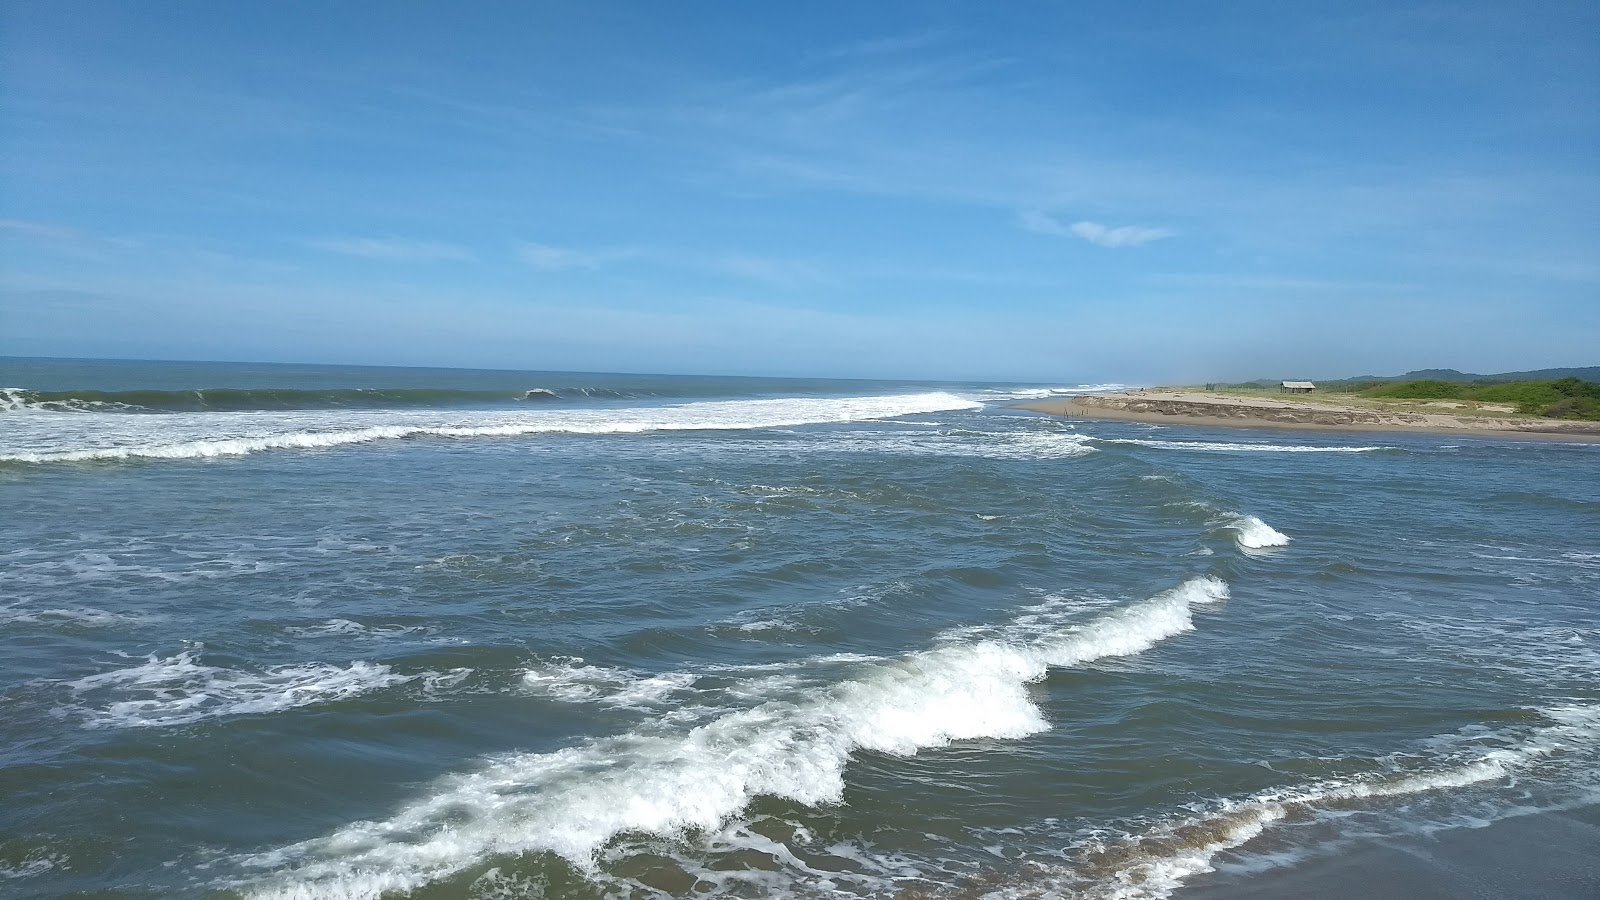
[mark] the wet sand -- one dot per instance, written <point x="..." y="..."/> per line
<point x="1177" y="407"/>
<point x="1549" y="856"/>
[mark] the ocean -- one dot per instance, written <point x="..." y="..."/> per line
<point x="299" y="631"/>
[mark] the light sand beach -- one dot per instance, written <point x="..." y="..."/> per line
<point x="1312" y="413"/>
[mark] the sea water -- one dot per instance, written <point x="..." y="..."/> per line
<point x="294" y="631"/>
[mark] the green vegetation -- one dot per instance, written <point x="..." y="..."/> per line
<point x="1564" y="398"/>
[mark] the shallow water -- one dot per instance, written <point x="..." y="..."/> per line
<point x="640" y="636"/>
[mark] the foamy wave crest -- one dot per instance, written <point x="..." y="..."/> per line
<point x="1224" y="447"/>
<point x="572" y="802"/>
<point x="572" y="681"/>
<point x="178" y="690"/>
<point x="704" y="416"/>
<point x="1155" y="863"/>
<point x="14" y="400"/>
<point x="1252" y="534"/>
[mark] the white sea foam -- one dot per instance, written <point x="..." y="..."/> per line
<point x="349" y="628"/>
<point x="1254" y="535"/>
<point x="1022" y="445"/>
<point x="209" y="435"/>
<point x="768" y="625"/>
<point x="1224" y="447"/>
<point x="32" y="866"/>
<point x="83" y="616"/>
<point x="178" y="690"/>
<point x="573" y="681"/>
<point x="572" y="802"/>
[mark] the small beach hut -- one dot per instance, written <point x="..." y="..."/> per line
<point x="1296" y="387"/>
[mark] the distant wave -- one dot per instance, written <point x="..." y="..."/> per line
<point x="1045" y="393"/>
<point x="703" y="416"/>
<point x="572" y="802"/>
<point x="240" y="400"/>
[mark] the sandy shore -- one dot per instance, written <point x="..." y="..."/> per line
<point x="1312" y="413"/>
<point x="1548" y="856"/>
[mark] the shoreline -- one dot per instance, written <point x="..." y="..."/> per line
<point x="1171" y="407"/>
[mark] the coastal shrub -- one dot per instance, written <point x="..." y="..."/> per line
<point x="1564" y="398"/>
<point x="1419" y="390"/>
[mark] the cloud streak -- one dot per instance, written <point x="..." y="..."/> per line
<point x="555" y="259"/>
<point x="392" y="249"/>
<point x="62" y="236"/>
<point x="767" y="270"/>
<point x="1095" y="233"/>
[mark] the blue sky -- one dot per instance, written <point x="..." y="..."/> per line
<point x="1137" y="192"/>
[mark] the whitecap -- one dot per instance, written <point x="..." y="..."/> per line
<point x="195" y="436"/>
<point x="1254" y="536"/>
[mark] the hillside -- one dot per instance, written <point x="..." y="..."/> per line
<point x="1584" y="373"/>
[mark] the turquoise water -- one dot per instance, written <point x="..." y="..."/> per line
<point x="321" y="632"/>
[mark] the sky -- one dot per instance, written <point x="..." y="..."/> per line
<point x="1135" y="192"/>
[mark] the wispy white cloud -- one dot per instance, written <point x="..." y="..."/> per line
<point x="769" y="270"/>
<point x="782" y="272"/>
<point x="884" y="46"/>
<point x="392" y="249"/>
<point x="62" y="235"/>
<point x="553" y="259"/>
<point x="1093" y="232"/>
<point x="1280" y="284"/>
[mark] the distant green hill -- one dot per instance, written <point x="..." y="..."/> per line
<point x="1585" y="373"/>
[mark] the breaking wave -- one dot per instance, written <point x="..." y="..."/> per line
<point x="1250" y="533"/>
<point x="261" y="399"/>
<point x="702" y="416"/>
<point x="572" y="802"/>
<point x="1046" y="393"/>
